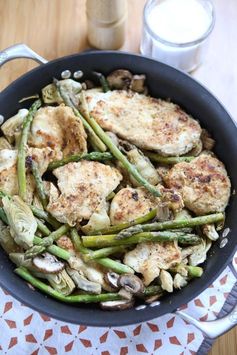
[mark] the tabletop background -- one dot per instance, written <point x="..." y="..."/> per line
<point x="54" y="28"/>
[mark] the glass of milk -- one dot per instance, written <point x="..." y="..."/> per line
<point x="175" y="32"/>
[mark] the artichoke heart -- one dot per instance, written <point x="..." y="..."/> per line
<point x="11" y="128"/>
<point x="50" y="94"/>
<point x="21" y="221"/>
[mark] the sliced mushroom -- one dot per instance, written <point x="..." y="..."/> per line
<point x="82" y="283"/>
<point x="131" y="283"/>
<point x="207" y="141"/>
<point x="125" y="294"/>
<point x="117" y="305"/>
<point x="48" y="263"/>
<point x="112" y="279"/>
<point x="138" y="83"/>
<point x="154" y="298"/>
<point x="120" y="79"/>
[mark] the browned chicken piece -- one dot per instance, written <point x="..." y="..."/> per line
<point x="150" y="123"/>
<point x="148" y="258"/>
<point x="84" y="187"/>
<point x="8" y="169"/>
<point x="58" y="128"/>
<point x="130" y="203"/>
<point x="203" y="183"/>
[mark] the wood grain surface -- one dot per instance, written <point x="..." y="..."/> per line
<point x="54" y="28"/>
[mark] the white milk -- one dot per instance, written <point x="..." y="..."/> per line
<point x="175" y="31"/>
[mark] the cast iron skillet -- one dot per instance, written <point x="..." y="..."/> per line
<point x="164" y="82"/>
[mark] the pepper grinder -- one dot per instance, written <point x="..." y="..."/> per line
<point x="106" y="23"/>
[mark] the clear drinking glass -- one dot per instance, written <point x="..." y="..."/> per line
<point x="185" y="56"/>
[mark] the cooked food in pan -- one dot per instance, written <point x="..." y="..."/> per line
<point x="107" y="194"/>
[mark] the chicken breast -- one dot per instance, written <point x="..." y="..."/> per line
<point x="84" y="187"/>
<point x="130" y="203"/>
<point x="8" y="169"/>
<point x="58" y="127"/>
<point x="149" y="123"/>
<point x="203" y="183"/>
<point x="148" y="258"/>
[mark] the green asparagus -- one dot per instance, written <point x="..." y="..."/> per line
<point x="193" y="271"/>
<point x="104" y="252"/>
<point x="106" y="262"/>
<point x="75" y="158"/>
<point x="42" y="227"/>
<point x="103" y="82"/>
<point x="39" y="183"/>
<point x="83" y="298"/>
<point x="167" y="160"/>
<point x="118" y="227"/>
<point x="115" y="266"/>
<point x="45" y="216"/>
<point x="21" y="157"/>
<point x="94" y="241"/>
<point x="173" y="224"/>
<point x="46" y="242"/>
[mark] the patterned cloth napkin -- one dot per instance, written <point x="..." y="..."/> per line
<point x="25" y="332"/>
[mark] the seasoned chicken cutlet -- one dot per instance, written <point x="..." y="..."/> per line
<point x="149" y="123"/>
<point x="130" y="203"/>
<point x="148" y="258"/>
<point x="203" y="183"/>
<point x="84" y="187"/>
<point x="58" y="128"/>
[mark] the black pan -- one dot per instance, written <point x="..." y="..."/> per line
<point x="164" y="82"/>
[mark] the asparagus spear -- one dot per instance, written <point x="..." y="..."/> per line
<point x="167" y="160"/>
<point x="94" y="241"/>
<point x="42" y="227"/>
<point x="21" y="158"/>
<point x="103" y="82"/>
<point x="75" y="158"/>
<point x="96" y="142"/>
<point x="76" y="240"/>
<point x="106" y="262"/>
<point x="45" y="216"/>
<point x="115" y="266"/>
<point x="193" y="271"/>
<point x="39" y="183"/>
<point x="113" y="229"/>
<point x="53" y="249"/>
<point x="85" y="298"/>
<point x="102" y="253"/>
<point x="114" y="150"/>
<point x="152" y="291"/>
<point x="47" y="241"/>
<point x="173" y="224"/>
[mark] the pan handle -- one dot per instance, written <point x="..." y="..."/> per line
<point x="213" y="329"/>
<point x="20" y="50"/>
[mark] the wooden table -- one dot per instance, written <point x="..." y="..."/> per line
<point x="58" y="27"/>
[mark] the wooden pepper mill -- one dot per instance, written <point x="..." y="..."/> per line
<point x="106" y="23"/>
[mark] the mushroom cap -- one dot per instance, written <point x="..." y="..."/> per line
<point x="48" y="263"/>
<point x="131" y="283"/>
<point x="112" y="279"/>
<point x="119" y="79"/>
